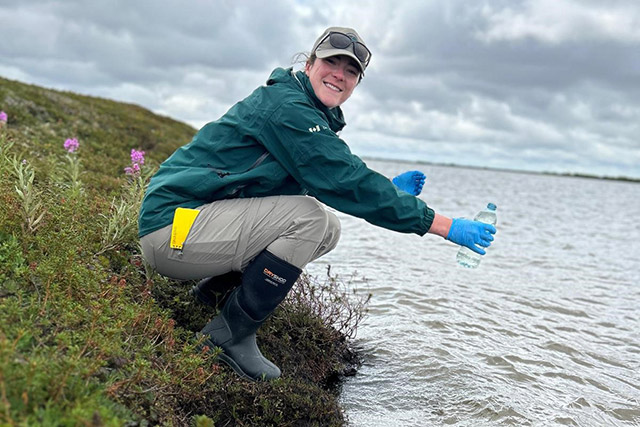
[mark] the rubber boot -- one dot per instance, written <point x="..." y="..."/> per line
<point x="214" y="291"/>
<point x="265" y="283"/>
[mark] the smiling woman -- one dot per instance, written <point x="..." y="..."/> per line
<point x="333" y="79"/>
<point x="242" y="205"/>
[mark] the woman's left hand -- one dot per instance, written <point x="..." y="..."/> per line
<point x="475" y="235"/>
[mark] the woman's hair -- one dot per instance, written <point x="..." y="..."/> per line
<point x="303" y="58"/>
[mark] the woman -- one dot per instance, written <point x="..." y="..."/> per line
<point x="249" y="187"/>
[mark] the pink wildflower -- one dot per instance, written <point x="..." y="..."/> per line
<point x="137" y="157"/>
<point x="71" y="145"/>
<point x="3" y="117"/>
<point x="134" y="170"/>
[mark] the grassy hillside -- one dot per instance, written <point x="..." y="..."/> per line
<point x="90" y="336"/>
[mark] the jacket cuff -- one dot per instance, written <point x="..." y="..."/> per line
<point x="427" y="220"/>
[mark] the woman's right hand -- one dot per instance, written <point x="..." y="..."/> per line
<point x="410" y="181"/>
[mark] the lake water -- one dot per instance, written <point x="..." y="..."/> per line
<point x="545" y="332"/>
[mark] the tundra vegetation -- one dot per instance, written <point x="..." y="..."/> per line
<point x="88" y="334"/>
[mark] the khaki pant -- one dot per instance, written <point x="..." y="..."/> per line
<point x="228" y="234"/>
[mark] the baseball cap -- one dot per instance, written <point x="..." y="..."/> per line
<point x="342" y="41"/>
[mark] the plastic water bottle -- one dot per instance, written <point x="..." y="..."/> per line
<point x="468" y="258"/>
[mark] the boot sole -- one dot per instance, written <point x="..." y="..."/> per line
<point x="229" y="361"/>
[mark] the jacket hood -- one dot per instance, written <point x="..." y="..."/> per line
<point x="334" y="116"/>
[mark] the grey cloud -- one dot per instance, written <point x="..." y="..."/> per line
<point x="450" y="81"/>
<point x="519" y="95"/>
<point x="144" y="41"/>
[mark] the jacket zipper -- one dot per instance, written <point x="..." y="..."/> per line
<point x="222" y="173"/>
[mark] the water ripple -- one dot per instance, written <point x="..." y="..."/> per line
<point x="544" y="333"/>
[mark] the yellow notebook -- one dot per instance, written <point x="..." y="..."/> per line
<point x="183" y="219"/>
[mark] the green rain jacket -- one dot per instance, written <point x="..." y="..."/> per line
<point x="281" y="140"/>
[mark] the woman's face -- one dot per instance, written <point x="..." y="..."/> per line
<point x="333" y="79"/>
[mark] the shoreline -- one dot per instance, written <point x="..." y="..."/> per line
<point x="522" y="171"/>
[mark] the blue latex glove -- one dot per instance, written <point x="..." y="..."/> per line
<point x="411" y="182"/>
<point x="465" y="232"/>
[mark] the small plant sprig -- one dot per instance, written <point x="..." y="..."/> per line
<point x="31" y="208"/>
<point x="338" y="303"/>
<point x="72" y="170"/>
<point x="5" y="145"/>
<point x="137" y="160"/>
<point x="121" y="226"/>
<point x="139" y="175"/>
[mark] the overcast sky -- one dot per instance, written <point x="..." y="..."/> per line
<point x="543" y="85"/>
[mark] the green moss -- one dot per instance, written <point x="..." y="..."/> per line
<point x="88" y="336"/>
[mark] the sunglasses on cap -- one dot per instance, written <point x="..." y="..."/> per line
<point x="342" y="41"/>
